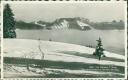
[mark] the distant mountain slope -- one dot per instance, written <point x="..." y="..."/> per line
<point x="25" y="25"/>
<point x="71" y="23"/>
<point x="109" y="25"/>
<point x="66" y="23"/>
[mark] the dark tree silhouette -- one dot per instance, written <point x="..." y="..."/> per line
<point x="99" y="49"/>
<point x="8" y="23"/>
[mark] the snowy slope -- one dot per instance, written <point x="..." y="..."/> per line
<point x="52" y="51"/>
<point x="81" y="24"/>
<point x="65" y="25"/>
<point x="62" y="25"/>
<point x="40" y="24"/>
<point x="17" y="71"/>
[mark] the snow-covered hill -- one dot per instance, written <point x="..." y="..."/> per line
<point x="53" y="51"/>
<point x="56" y="51"/>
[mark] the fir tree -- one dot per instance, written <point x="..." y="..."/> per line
<point x="99" y="49"/>
<point x="8" y="23"/>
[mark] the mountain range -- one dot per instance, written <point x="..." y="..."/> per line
<point x="70" y="23"/>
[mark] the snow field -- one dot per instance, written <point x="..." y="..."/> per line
<point x="29" y="49"/>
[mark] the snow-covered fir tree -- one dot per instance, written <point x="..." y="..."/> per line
<point x="8" y="23"/>
<point x="99" y="49"/>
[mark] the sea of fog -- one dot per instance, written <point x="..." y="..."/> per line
<point x="113" y="40"/>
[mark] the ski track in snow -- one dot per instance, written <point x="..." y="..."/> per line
<point x="29" y="49"/>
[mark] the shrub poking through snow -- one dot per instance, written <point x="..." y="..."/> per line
<point x="99" y="49"/>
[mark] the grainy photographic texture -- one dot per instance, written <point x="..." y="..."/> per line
<point x="64" y="40"/>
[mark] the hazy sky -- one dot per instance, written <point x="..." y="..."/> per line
<point x="51" y="11"/>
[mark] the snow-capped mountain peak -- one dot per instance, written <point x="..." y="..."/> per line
<point x="66" y="23"/>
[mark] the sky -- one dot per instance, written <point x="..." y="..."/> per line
<point x="97" y="12"/>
